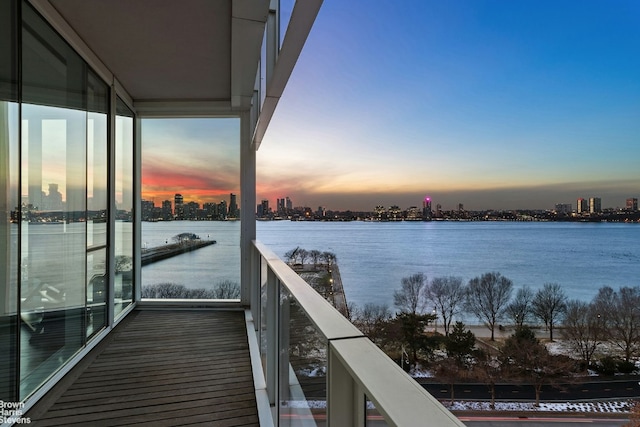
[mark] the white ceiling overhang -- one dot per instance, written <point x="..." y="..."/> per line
<point x="187" y="57"/>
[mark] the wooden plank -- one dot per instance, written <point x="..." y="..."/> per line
<point x="164" y="368"/>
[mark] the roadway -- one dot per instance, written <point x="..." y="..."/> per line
<point x="590" y="390"/>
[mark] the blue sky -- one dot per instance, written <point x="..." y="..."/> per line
<point x="494" y="104"/>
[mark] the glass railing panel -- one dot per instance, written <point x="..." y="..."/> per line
<point x="263" y="313"/>
<point x="302" y="367"/>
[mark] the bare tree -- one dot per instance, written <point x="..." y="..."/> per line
<point x="329" y="258"/>
<point x="315" y="256"/>
<point x="371" y="320"/>
<point x="411" y="297"/>
<point x="519" y="309"/>
<point x="621" y="313"/>
<point x="447" y="294"/>
<point x="487" y="298"/>
<point x="303" y="254"/>
<point x="226" y="289"/>
<point x="291" y="255"/>
<point x="583" y="329"/>
<point x="549" y="304"/>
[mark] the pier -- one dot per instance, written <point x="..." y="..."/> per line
<point x="167" y="251"/>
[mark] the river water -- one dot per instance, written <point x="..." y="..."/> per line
<point x="375" y="256"/>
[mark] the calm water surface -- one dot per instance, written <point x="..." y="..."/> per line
<point x="374" y="257"/>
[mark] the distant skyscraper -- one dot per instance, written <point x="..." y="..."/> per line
<point x="222" y="210"/>
<point x="288" y="204"/>
<point x="595" y="205"/>
<point x="426" y="209"/>
<point x="263" y="209"/>
<point x="233" y="206"/>
<point x="147" y="209"/>
<point x="166" y="210"/>
<point x="178" y="206"/>
<point x="582" y="205"/>
<point x="632" y="204"/>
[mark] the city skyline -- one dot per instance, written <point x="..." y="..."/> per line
<point x="591" y="204"/>
<point x="497" y="105"/>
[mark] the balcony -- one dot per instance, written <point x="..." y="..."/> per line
<point x="310" y="366"/>
<point x="74" y="88"/>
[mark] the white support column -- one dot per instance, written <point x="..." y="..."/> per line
<point x="247" y="207"/>
<point x="137" y="209"/>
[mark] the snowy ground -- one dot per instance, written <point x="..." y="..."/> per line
<point x="610" y="407"/>
<point x="601" y="407"/>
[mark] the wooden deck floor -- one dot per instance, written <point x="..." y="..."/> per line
<point x="161" y="368"/>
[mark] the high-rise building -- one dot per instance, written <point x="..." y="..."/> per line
<point x="211" y="210"/>
<point x="632" y="204"/>
<point x="582" y="205"/>
<point x="595" y="205"/>
<point x="222" y="210"/>
<point x="426" y="209"/>
<point x="166" y="210"/>
<point x="191" y="210"/>
<point x="178" y="206"/>
<point x="263" y="209"/>
<point x="147" y="207"/>
<point x="288" y="204"/>
<point x="233" y="206"/>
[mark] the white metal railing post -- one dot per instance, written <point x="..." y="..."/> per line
<point x="342" y="408"/>
<point x="359" y="405"/>
<point x="256" y="287"/>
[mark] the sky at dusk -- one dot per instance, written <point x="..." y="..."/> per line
<point x="493" y="104"/>
<point x="198" y="158"/>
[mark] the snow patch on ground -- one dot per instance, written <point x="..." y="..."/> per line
<point x="615" y="406"/>
<point x="622" y="406"/>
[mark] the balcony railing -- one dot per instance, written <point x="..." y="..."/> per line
<point x="318" y="368"/>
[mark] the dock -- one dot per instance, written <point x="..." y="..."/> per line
<point x="167" y="251"/>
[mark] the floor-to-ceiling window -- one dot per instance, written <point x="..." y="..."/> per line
<point x="191" y="208"/>
<point x="9" y="199"/>
<point x="97" y="203"/>
<point x="63" y="174"/>
<point x="123" y="280"/>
